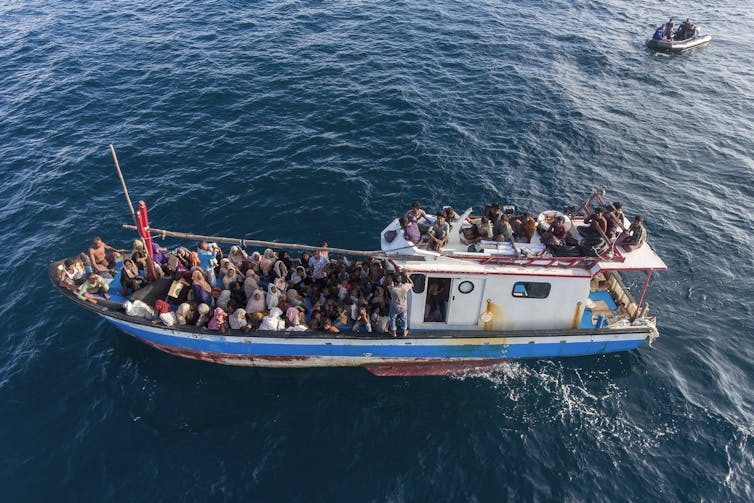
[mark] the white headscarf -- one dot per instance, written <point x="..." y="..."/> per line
<point x="224" y="265"/>
<point x="281" y="285"/>
<point x="273" y="321"/>
<point x="223" y="299"/>
<point x="251" y="283"/>
<point x="236" y="256"/>
<point x="238" y="319"/>
<point x="182" y="313"/>
<point x="273" y="296"/>
<point x="256" y="303"/>
<point x="281" y="271"/>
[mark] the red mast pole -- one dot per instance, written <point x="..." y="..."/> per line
<point x="142" y="222"/>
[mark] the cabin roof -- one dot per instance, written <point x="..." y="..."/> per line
<point x="642" y="259"/>
<point x="454" y="259"/>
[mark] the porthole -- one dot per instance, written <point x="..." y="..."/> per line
<point x="466" y="287"/>
<point x="418" y="280"/>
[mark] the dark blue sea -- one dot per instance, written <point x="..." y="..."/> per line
<point x="310" y="121"/>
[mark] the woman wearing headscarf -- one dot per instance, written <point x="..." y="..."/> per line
<point x="139" y="254"/>
<point x="256" y="303"/>
<point x="255" y="258"/>
<point x="164" y="313"/>
<point x="267" y="261"/>
<point x="286" y="258"/>
<point x="273" y="296"/>
<point x="294" y="298"/>
<point x="237" y="257"/>
<point x="219" y="320"/>
<point x="273" y="321"/>
<point x="238" y="320"/>
<point x="280" y="269"/>
<point x="130" y="276"/>
<point x="251" y="283"/>
<point x="298" y="276"/>
<point x="223" y="299"/>
<point x="224" y="266"/>
<point x="194" y="260"/>
<point x="231" y="276"/>
<point x="281" y="285"/>
<point x="204" y="310"/>
<point x="200" y="287"/>
<point x="293" y="316"/>
<point x="183" y="314"/>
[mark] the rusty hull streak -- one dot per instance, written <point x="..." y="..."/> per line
<point x="431" y="368"/>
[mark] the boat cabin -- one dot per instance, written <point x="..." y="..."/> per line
<point x="511" y="286"/>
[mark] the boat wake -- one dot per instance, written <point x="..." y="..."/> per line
<point x="584" y="402"/>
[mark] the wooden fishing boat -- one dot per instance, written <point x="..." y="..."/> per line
<point x="499" y="301"/>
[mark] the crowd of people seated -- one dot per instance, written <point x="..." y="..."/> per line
<point x="500" y="223"/>
<point x="601" y="228"/>
<point x="497" y="224"/>
<point x="685" y="31"/>
<point x="248" y="291"/>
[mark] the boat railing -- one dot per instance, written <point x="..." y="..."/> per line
<point x="533" y="261"/>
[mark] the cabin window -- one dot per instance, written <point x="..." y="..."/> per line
<point x="418" y="280"/>
<point x="531" y="290"/>
<point x="466" y="287"/>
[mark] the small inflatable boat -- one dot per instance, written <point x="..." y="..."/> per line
<point x="679" y="45"/>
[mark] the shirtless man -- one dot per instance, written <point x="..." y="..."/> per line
<point x="99" y="259"/>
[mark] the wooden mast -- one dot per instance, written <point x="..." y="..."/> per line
<point x="256" y="242"/>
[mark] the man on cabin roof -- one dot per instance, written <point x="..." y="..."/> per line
<point x="502" y="230"/>
<point x="410" y="230"/>
<point x="595" y="223"/>
<point x="438" y="233"/>
<point x="416" y="213"/>
<point x="634" y="236"/>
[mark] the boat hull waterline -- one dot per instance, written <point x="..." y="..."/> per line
<point x="383" y="356"/>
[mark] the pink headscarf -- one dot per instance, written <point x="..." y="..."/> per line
<point x="217" y="319"/>
<point x="293" y="315"/>
<point x="256" y="303"/>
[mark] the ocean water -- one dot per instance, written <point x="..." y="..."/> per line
<point x="311" y="121"/>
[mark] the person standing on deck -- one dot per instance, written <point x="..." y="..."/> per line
<point x="319" y="264"/>
<point x="398" y="304"/>
<point x="208" y="260"/>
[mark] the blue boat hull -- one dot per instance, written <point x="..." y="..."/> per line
<point x="388" y="356"/>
